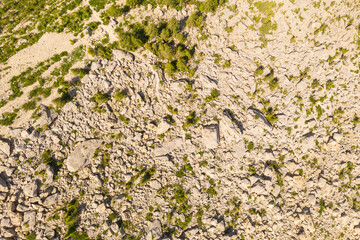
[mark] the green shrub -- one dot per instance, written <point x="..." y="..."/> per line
<point x="120" y="95"/>
<point x="170" y="68"/>
<point x="166" y="51"/>
<point x="30" y="236"/>
<point x="62" y="100"/>
<point x="29" y="106"/>
<point x="259" y="71"/>
<point x="133" y="3"/>
<point x="3" y="103"/>
<point x="133" y="39"/>
<point x="152" y="30"/>
<point x="148" y="174"/>
<point x="98" y="4"/>
<point x="100" y="98"/>
<point x="93" y="25"/>
<point x="173" y="25"/>
<point x="250" y="146"/>
<point x="80" y="71"/>
<point x="8" y="118"/>
<point x="195" y="19"/>
<point x="269" y="77"/>
<point x="165" y="34"/>
<point x="177" y="4"/>
<point x="330" y="84"/>
<point x="210" y="5"/>
<point x="191" y="120"/>
<point x="273" y="84"/>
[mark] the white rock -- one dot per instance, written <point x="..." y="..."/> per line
<point x="258" y="188"/>
<point x="337" y="136"/>
<point x="114" y="228"/>
<point x="155" y="229"/>
<point x="276" y="190"/>
<point x="81" y="155"/>
<point x="5" y="222"/>
<point x="31" y="189"/>
<point x="5" y="146"/>
<point x="163" y="127"/>
<point x="30" y="218"/>
<point x="312" y="199"/>
<point x="95" y="66"/>
<point x="239" y="150"/>
<point x="244" y="183"/>
<point x="169" y="146"/>
<point x="122" y="55"/>
<point x="51" y="200"/>
<point x="8" y="233"/>
<point x="211" y="136"/>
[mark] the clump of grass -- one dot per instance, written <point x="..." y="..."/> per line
<point x="273" y="84"/>
<point x="250" y="146"/>
<point x="210" y="5"/>
<point x="191" y="120"/>
<point x="148" y="174"/>
<point x="215" y="93"/>
<point x="112" y="217"/>
<point x="330" y="84"/>
<point x="62" y="100"/>
<point x="70" y="220"/>
<point x="259" y="71"/>
<point x="120" y="95"/>
<point x="8" y="118"/>
<point x="100" y="98"/>
<point x="195" y="19"/>
<point x="169" y="119"/>
<point x="81" y="72"/>
<point x="29" y="106"/>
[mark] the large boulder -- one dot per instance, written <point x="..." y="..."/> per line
<point x="81" y="155"/>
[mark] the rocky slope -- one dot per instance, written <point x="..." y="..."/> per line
<point x="260" y="142"/>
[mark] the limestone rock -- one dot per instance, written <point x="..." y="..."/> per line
<point x="31" y="189"/>
<point x="81" y="155"/>
<point x="211" y="136"/>
<point x="30" y="218"/>
<point x="122" y="55"/>
<point x="169" y="146"/>
<point x="5" y="146"/>
<point x="258" y="188"/>
<point x="47" y="116"/>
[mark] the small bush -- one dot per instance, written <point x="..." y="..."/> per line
<point x="170" y="68"/>
<point x="100" y="98"/>
<point x="148" y="174"/>
<point x="61" y="101"/>
<point x="191" y="120"/>
<point x="133" y="3"/>
<point x="8" y="118"/>
<point x="259" y="71"/>
<point x="29" y="106"/>
<point x="98" y="4"/>
<point x="120" y="95"/>
<point x="210" y="5"/>
<point x="81" y="72"/>
<point x="195" y="19"/>
<point x="93" y="25"/>
<point x="273" y="84"/>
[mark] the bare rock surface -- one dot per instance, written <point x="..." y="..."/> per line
<point x="81" y="155"/>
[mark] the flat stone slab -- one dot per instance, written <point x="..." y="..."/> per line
<point x="81" y="155"/>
